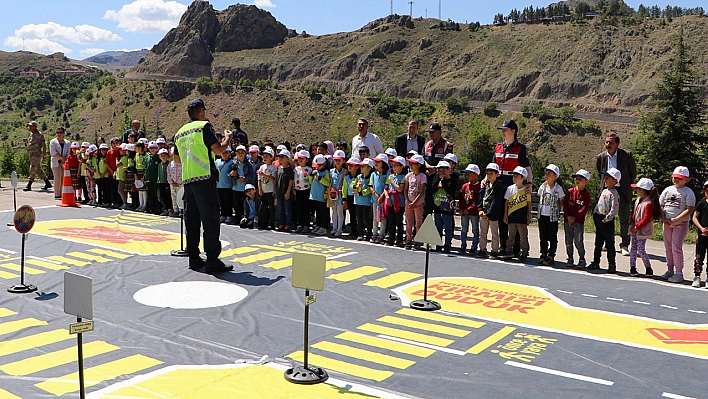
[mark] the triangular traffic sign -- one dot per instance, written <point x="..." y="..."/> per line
<point x="428" y="233"/>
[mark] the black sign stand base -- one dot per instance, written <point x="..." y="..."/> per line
<point x="22" y="288"/>
<point x="425" y="303"/>
<point x="180" y="252"/>
<point x="305" y="374"/>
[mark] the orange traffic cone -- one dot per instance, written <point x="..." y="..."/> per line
<point x="67" y="190"/>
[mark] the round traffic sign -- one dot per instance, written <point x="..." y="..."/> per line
<point x="13" y="179"/>
<point x="24" y="219"/>
<point x="180" y="197"/>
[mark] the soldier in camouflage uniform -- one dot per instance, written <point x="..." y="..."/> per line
<point x="37" y="148"/>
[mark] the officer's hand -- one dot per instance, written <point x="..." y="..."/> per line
<point x="228" y="135"/>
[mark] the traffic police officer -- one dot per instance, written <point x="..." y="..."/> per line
<point x="434" y="151"/>
<point x="37" y="149"/>
<point x="194" y="144"/>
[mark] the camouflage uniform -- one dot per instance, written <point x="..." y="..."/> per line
<point x="36" y="147"/>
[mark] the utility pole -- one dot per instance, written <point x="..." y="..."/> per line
<point x="440" y="10"/>
<point x="391" y="7"/>
<point x="426" y="12"/>
<point x="411" y="3"/>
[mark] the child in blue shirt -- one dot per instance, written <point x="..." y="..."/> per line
<point x="224" y="185"/>
<point x="352" y="173"/>
<point x="395" y="201"/>
<point x="362" y="199"/>
<point x="335" y="192"/>
<point x="379" y="178"/>
<point x="318" y="194"/>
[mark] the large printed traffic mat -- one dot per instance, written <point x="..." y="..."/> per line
<point x="161" y="330"/>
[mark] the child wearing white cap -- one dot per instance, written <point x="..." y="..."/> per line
<point x="223" y="187"/>
<point x="378" y="181"/>
<point x="174" y="177"/>
<point x="641" y="224"/>
<point x="677" y="203"/>
<point x="604" y="217"/>
<point x="491" y="210"/>
<point x="414" y="190"/>
<point x="362" y="199"/>
<point x="517" y="214"/>
<point x="335" y="192"/>
<point x="575" y="207"/>
<point x="469" y="213"/>
<point x="551" y="196"/>
<point x="321" y="179"/>
<point x="700" y="219"/>
<point x="266" y="190"/>
<point x="303" y="177"/>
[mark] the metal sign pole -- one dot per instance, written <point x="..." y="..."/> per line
<point x="429" y="235"/>
<point x="427" y="260"/>
<point x="79" y="341"/>
<point x="22" y="261"/>
<point x="305" y="334"/>
<point x="179" y="197"/>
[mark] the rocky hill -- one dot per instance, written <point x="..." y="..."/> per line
<point x="25" y="61"/>
<point x="117" y="58"/>
<point x="596" y="65"/>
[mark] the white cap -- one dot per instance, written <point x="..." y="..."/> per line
<point x="122" y="146"/>
<point x="228" y="149"/>
<point x="613" y="173"/>
<point x="391" y="152"/>
<point x="143" y="140"/>
<point x="281" y="147"/>
<point x="553" y="168"/>
<point x="417" y="158"/>
<point x="354" y="161"/>
<point x="681" y="172"/>
<point x="75" y="144"/>
<point x="443" y="164"/>
<point x="644" y="183"/>
<point x="493" y="167"/>
<point x="472" y="168"/>
<point x="93" y="148"/>
<point x="582" y="173"/>
<point x="399" y="159"/>
<point x="319" y="160"/>
<point x="269" y="151"/>
<point x="172" y="150"/>
<point x="162" y="151"/>
<point x="130" y="147"/>
<point x="382" y="157"/>
<point x="339" y="154"/>
<point x="412" y="152"/>
<point x="367" y="161"/>
<point x="86" y="144"/>
<point x="451" y="157"/>
<point x="249" y="186"/>
<point x="254" y="148"/>
<point x="152" y="144"/>
<point x="241" y="148"/>
<point x="160" y="140"/>
<point x="284" y="153"/>
<point x="304" y="154"/>
<point x="520" y="170"/>
<point x="103" y="145"/>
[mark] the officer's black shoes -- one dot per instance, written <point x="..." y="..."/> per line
<point x="29" y="187"/>
<point x="217" y="266"/>
<point x="196" y="263"/>
<point x="47" y="185"/>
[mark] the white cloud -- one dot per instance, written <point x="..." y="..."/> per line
<point x="43" y="46"/>
<point x="81" y="34"/>
<point x="89" y="52"/>
<point x="263" y="3"/>
<point x="147" y="16"/>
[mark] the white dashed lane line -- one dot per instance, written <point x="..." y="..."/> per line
<point x="637" y="302"/>
<point x="642" y="302"/>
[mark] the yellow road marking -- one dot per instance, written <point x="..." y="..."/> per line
<point x="17" y="268"/>
<point x="17" y="325"/>
<point x="106" y="252"/>
<point x="455" y="332"/>
<point x="8" y="275"/>
<point x="393" y="279"/>
<point x="385" y="344"/>
<point x="491" y="340"/>
<point x="441" y="317"/>
<point x="362" y="354"/>
<point x="83" y="255"/>
<point x="334" y="264"/>
<point x="7" y="395"/>
<point x="46" y="361"/>
<point x="343" y="367"/>
<point x="258" y="257"/>
<point x="6" y="312"/>
<point x="278" y="264"/>
<point x="68" y="261"/>
<point x="45" y="264"/>
<point x="237" y="251"/>
<point x="413" y="336"/>
<point x="95" y="375"/>
<point x="354" y="274"/>
<point x="106" y="219"/>
<point x="285" y="249"/>
<point x="22" y="344"/>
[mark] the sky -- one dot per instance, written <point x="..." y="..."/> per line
<point x="82" y="28"/>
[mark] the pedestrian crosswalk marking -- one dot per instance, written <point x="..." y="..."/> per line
<point x="362" y="354"/>
<point x="284" y="249"/>
<point x="46" y="361"/>
<point x="278" y="264"/>
<point x="409" y="335"/>
<point x="45" y="264"/>
<point x="434" y="316"/>
<point x="97" y="374"/>
<point x="6" y="312"/>
<point x="82" y="255"/>
<point x="385" y="344"/>
<point x="7" y="395"/>
<point x="68" y="261"/>
<point x="343" y="367"/>
<point x="393" y="279"/>
<point x="258" y="257"/>
<point x="8" y="275"/>
<point x="22" y="344"/>
<point x="9" y="327"/>
<point x="17" y="268"/>
<point x="106" y="252"/>
<point x="335" y="264"/>
<point x="491" y="340"/>
<point x="354" y="274"/>
<point x="237" y="251"/>
<point x="455" y="332"/>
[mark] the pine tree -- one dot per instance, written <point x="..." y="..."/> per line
<point x="674" y="133"/>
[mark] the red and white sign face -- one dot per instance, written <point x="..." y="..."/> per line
<point x="24" y="219"/>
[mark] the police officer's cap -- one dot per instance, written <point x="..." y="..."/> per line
<point x="197" y="103"/>
<point x="236" y="121"/>
<point x="509" y="124"/>
<point x="434" y="127"/>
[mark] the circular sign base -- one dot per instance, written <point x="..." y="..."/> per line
<point x="179" y="252"/>
<point x="422" y="304"/>
<point x="306" y="376"/>
<point x="22" y="288"/>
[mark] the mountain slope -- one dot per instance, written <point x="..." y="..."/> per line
<point x="117" y="58"/>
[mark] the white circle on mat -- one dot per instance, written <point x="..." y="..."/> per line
<point x="190" y="295"/>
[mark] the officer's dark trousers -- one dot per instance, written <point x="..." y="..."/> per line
<point x="201" y="201"/>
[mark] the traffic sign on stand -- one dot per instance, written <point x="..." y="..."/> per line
<point x="428" y="234"/>
<point x="78" y="301"/>
<point x="23" y="220"/>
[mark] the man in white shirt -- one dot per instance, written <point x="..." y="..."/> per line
<point x="366" y="138"/>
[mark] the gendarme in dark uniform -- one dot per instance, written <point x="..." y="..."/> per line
<point x="434" y="151"/>
<point x="194" y="143"/>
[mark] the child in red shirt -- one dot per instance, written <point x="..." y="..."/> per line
<point x="575" y="207"/>
<point x="469" y="196"/>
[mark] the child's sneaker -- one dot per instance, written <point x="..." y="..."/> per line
<point x="409" y="245"/>
<point x="570" y="262"/>
<point x="696" y="282"/>
<point x="633" y="272"/>
<point x="676" y="278"/>
<point x="649" y="272"/>
<point x="612" y="269"/>
<point x="305" y="229"/>
<point x="667" y="275"/>
<point x="373" y="239"/>
<point x="522" y="257"/>
<point x="592" y="266"/>
<point x="494" y="255"/>
<point x="298" y="229"/>
<point x="542" y="260"/>
<point x="481" y="254"/>
<point x="462" y="251"/>
<point x="550" y="261"/>
<point x="582" y="263"/>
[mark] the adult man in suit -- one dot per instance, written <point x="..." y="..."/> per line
<point x="615" y="157"/>
<point x="410" y="140"/>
